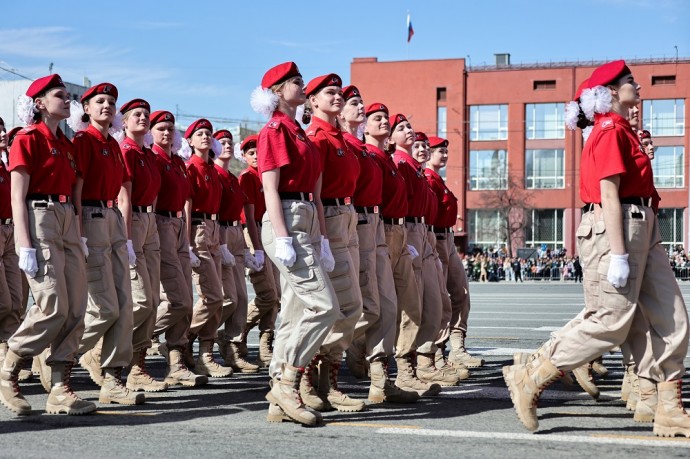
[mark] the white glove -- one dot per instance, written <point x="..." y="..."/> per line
<point x="285" y="253"/>
<point x="250" y="260"/>
<point x="27" y="261"/>
<point x="84" y="247"/>
<point x="413" y="252"/>
<point x="327" y="259"/>
<point x="260" y="259"/>
<point x="228" y="258"/>
<point x="131" y="255"/>
<point x="619" y="270"/>
<point x="193" y="259"/>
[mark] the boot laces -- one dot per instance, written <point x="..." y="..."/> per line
<point x="142" y="365"/>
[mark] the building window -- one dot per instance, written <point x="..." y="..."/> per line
<point x="664" y="117"/>
<point x="663" y="80"/>
<point x="668" y="168"/>
<point x="544" y="228"/>
<point x="440" y="94"/>
<point x="671" y="227"/>
<point x="488" y="170"/>
<point x="542" y="85"/>
<point x="484" y="228"/>
<point x="545" y="121"/>
<point x="488" y="122"/>
<point x="544" y="169"/>
<point x="441" y="124"/>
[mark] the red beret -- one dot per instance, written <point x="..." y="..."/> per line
<point x="420" y="137"/>
<point x="608" y="73"/>
<point x="134" y="103"/>
<point x="279" y="73"/>
<point x="43" y="84"/>
<point x="161" y="115"/>
<point x="321" y="82"/>
<point x="584" y="85"/>
<point x="249" y="142"/>
<point x="222" y="134"/>
<point x="397" y="119"/>
<point x="13" y="132"/>
<point x="437" y="142"/>
<point x="350" y="91"/>
<point x="201" y="123"/>
<point x="644" y="134"/>
<point x="103" y="88"/>
<point x="375" y="107"/>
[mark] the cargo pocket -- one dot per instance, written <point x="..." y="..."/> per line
<point x="611" y="297"/>
<point x="342" y="282"/>
<point x="304" y="277"/>
<point x="94" y="272"/>
<point x="45" y="276"/>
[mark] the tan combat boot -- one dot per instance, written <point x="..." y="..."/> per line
<point x="382" y="390"/>
<point x="408" y="380"/>
<point x="113" y="391"/>
<point x="646" y="405"/>
<point x="307" y="389"/>
<point x="634" y="395"/>
<point x="154" y="349"/>
<point x="525" y="384"/>
<point x="583" y="376"/>
<point x="265" y="347"/>
<point x="237" y="363"/>
<point x="670" y="418"/>
<point x="61" y="398"/>
<point x="599" y="368"/>
<point x="3" y="351"/>
<point x="276" y="414"/>
<point x="427" y="372"/>
<point x="24" y="375"/>
<point x="222" y="344"/>
<point x="459" y="354"/>
<point x="626" y="386"/>
<point x="178" y="373"/>
<point x="188" y="354"/>
<point x="45" y="374"/>
<point x="10" y="396"/>
<point x="443" y="364"/>
<point x="285" y="394"/>
<point x="139" y="379"/>
<point x="91" y="362"/>
<point x="206" y="365"/>
<point x="356" y="360"/>
<point x="328" y="388"/>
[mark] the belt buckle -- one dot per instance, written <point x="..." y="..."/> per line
<point x="62" y="199"/>
<point x="149" y="209"/>
<point x="178" y="214"/>
<point x="214" y="217"/>
<point x="311" y="197"/>
<point x="401" y="221"/>
<point x="348" y="201"/>
<point x="109" y="203"/>
<point x="422" y="220"/>
<point x="376" y="209"/>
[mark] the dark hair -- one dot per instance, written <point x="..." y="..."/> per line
<point x="306" y="116"/>
<point x="37" y="116"/>
<point x="85" y="118"/>
<point x="582" y="120"/>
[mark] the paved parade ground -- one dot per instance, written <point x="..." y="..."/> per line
<point x="476" y="419"/>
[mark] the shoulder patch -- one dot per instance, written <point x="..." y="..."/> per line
<point x="79" y="134"/>
<point x="273" y="124"/>
<point x="607" y="124"/>
<point x="402" y="161"/>
<point x="126" y="146"/>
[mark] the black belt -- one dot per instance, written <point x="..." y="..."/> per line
<point x="204" y="216"/>
<point x="414" y="219"/>
<point x="143" y="209"/>
<point x="393" y="221"/>
<point x="229" y="222"/>
<point x="170" y="213"/>
<point x="296" y="196"/>
<point x="109" y="203"/>
<point x="430" y="228"/>
<point x="646" y="202"/>
<point x="336" y="201"/>
<point x="367" y="210"/>
<point x="442" y="231"/>
<point x="61" y="198"/>
<point x="6" y="221"/>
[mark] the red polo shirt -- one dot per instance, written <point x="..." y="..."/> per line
<point x="5" y="202"/>
<point x="175" y="189"/>
<point x="141" y="167"/>
<point x="206" y="189"/>
<point x="613" y="149"/>
<point x="232" y="198"/>
<point x="49" y="160"/>
<point x="415" y="183"/>
<point x="283" y="144"/>
<point x="447" y="202"/>
<point x="100" y="164"/>
<point x="432" y="209"/>
<point x="250" y="182"/>
<point x="369" y="189"/>
<point x="394" y="198"/>
<point x="340" y="165"/>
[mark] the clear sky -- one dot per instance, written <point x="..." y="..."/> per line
<point x="205" y="57"/>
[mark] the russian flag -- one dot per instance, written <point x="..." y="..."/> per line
<point x="410" y="30"/>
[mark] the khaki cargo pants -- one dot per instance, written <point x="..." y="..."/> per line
<point x="234" y="315"/>
<point x="10" y="284"/>
<point x="146" y="277"/>
<point x="208" y="280"/>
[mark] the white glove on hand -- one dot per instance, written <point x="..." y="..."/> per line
<point x="27" y="261"/>
<point x="131" y="255"/>
<point x="249" y="260"/>
<point x="327" y="259"/>
<point x="84" y="247"/>
<point x="413" y="251"/>
<point x="193" y="259"/>
<point x="228" y="258"/>
<point x="260" y="259"/>
<point x="619" y="270"/>
<point x="285" y="253"/>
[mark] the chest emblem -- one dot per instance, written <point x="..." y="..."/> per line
<point x="167" y="167"/>
<point x="141" y="161"/>
<point x="340" y="152"/>
<point x="300" y="137"/>
<point x="207" y="178"/>
<point x="54" y="151"/>
<point x="105" y="152"/>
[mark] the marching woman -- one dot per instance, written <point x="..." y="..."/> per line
<point x="107" y="340"/>
<point x="638" y="297"/>
<point x="340" y="171"/>
<point x="201" y="212"/>
<point x="51" y="252"/>
<point x="263" y="309"/>
<point x="393" y="210"/>
<point x="376" y="326"/>
<point x="176" y="301"/>
<point x="291" y="233"/>
<point x="233" y="247"/>
<point x="137" y="201"/>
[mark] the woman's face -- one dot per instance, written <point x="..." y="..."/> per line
<point x="353" y="111"/>
<point x="55" y="102"/>
<point x="163" y="133"/>
<point x="420" y="151"/>
<point x="328" y="100"/>
<point x="101" y="108"/>
<point x="137" y="121"/>
<point x="628" y="91"/>
<point x="228" y="149"/>
<point x="3" y="137"/>
<point x="201" y="140"/>
<point x="649" y="148"/>
<point x="377" y="125"/>
<point x="634" y="116"/>
<point x="250" y="157"/>
<point x="293" y="91"/>
<point x="403" y="135"/>
<point x="438" y="157"/>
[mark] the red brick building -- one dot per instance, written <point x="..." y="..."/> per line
<point x="512" y="163"/>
